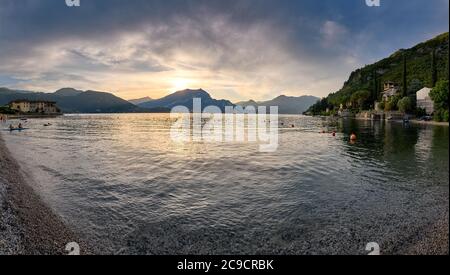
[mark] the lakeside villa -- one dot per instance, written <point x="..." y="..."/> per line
<point x="390" y="90"/>
<point x="35" y="107"/>
<point x="424" y="100"/>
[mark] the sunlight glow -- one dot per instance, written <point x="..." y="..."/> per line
<point x="179" y="84"/>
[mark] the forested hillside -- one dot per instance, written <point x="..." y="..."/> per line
<point x="421" y="66"/>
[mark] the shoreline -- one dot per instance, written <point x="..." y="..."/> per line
<point x="432" y="123"/>
<point x="27" y="225"/>
<point x="29" y="116"/>
<point x="412" y="121"/>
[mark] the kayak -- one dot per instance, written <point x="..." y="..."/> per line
<point x="16" y="129"/>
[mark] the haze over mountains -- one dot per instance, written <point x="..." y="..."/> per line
<point x="140" y="100"/>
<point x="70" y="100"/>
<point x="286" y="104"/>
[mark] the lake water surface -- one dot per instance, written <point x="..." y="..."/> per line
<point x="123" y="184"/>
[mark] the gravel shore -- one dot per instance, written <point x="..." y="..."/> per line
<point x="435" y="241"/>
<point x="27" y="225"/>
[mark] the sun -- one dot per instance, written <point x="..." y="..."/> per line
<point x="179" y="84"/>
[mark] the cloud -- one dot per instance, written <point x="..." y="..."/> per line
<point x="332" y="33"/>
<point x="236" y="49"/>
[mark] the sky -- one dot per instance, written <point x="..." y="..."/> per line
<point x="234" y="49"/>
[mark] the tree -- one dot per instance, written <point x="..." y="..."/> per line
<point x="446" y="68"/>
<point x="388" y="106"/>
<point x="414" y="86"/>
<point x="360" y="98"/>
<point x="379" y="93"/>
<point x="439" y="95"/>
<point x="433" y="69"/>
<point x="405" y="104"/>
<point x="392" y="104"/>
<point x="375" y="89"/>
<point x="405" y="81"/>
<point x="420" y="112"/>
<point x="320" y="107"/>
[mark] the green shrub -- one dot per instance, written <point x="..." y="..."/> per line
<point x="405" y="105"/>
<point x="445" y="116"/>
<point x="388" y="106"/>
<point x="420" y="112"/>
<point x="6" y="110"/>
<point x="440" y="97"/>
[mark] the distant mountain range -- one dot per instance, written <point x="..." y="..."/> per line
<point x="185" y="98"/>
<point x="140" y="100"/>
<point x="74" y="101"/>
<point x="70" y="100"/>
<point x="286" y="104"/>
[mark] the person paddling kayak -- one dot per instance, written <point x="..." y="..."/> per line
<point x="19" y="127"/>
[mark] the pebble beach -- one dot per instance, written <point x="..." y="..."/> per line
<point x="27" y="225"/>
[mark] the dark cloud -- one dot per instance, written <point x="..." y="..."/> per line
<point x="262" y="40"/>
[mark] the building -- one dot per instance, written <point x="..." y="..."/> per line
<point x="424" y="100"/>
<point x="390" y="89"/>
<point x="389" y="85"/>
<point x="35" y="107"/>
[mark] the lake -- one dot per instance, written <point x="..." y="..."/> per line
<point x="123" y="184"/>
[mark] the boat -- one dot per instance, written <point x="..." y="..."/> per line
<point x="16" y="129"/>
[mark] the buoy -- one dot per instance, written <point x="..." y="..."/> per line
<point x="353" y="137"/>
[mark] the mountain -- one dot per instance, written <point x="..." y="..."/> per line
<point x="6" y="91"/>
<point x="370" y="78"/>
<point x="67" y="92"/>
<point x="74" y="101"/>
<point x="247" y="103"/>
<point x="185" y="98"/>
<point x="94" y="102"/>
<point x="140" y="100"/>
<point x="286" y="104"/>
